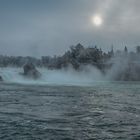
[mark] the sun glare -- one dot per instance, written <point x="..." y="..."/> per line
<point x="97" y="20"/>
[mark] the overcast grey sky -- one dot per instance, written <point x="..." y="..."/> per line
<point x="48" y="27"/>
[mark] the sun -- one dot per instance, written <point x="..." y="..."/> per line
<point x="97" y="20"/>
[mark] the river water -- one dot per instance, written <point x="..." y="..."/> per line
<point x="101" y="111"/>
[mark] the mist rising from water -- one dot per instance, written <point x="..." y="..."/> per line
<point x="124" y="67"/>
<point x="69" y="76"/>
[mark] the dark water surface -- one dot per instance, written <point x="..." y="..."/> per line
<point x="104" y="111"/>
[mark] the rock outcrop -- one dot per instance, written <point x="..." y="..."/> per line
<point x="1" y="79"/>
<point x="30" y="71"/>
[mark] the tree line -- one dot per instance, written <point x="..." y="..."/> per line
<point x="76" y="56"/>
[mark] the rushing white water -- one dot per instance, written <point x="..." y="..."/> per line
<point x="57" y="77"/>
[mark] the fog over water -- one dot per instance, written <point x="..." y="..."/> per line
<point x="64" y="91"/>
<point x="54" y="77"/>
<point x="87" y="75"/>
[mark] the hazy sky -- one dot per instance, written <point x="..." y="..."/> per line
<point x="48" y="27"/>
